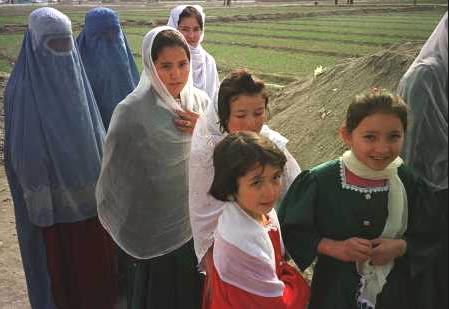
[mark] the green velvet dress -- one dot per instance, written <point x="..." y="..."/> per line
<point x="321" y="204"/>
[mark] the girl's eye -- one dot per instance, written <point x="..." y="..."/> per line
<point x="183" y="65"/>
<point x="394" y="137"/>
<point x="255" y="183"/>
<point x="259" y="114"/>
<point x="277" y="177"/>
<point x="240" y="116"/>
<point x="166" y="66"/>
<point x="369" y="137"/>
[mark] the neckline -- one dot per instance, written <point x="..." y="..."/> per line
<point x="377" y="187"/>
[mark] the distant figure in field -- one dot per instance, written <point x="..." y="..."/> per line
<point x="425" y="90"/>
<point x="53" y="150"/>
<point x="190" y="21"/>
<point x="107" y="59"/>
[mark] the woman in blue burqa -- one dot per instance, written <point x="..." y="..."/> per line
<point x="424" y="88"/>
<point x="107" y="59"/>
<point x="53" y="151"/>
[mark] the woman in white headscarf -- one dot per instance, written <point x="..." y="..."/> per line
<point x="424" y="88"/>
<point x="241" y="106"/>
<point x="142" y="192"/>
<point x="190" y="21"/>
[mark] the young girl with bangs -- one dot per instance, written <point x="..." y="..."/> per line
<point x="249" y="269"/>
<point x="365" y="216"/>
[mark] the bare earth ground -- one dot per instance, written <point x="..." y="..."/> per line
<point x="13" y="291"/>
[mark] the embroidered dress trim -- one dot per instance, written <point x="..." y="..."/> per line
<point x="348" y="186"/>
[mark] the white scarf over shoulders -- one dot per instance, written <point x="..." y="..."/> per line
<point x="373" y="278"/>
<point x="204" y="210"/>
<point x="243" y="252"/>
<point x="204" y="68"/>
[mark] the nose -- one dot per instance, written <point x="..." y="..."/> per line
<point x="251" y="124"/>
<point x="270" y="192"/>
<point x="382" y="147"/>
<point x="175" y="73"/>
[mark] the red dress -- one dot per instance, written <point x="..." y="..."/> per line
<point x="219" y="294"/>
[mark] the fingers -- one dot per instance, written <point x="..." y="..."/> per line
<point x="187" y="115"/>
<point x="184" y="124"/>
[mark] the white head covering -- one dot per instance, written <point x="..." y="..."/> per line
<point x="143" y="186"/>
<point x="149" y="77"/>
<point x="204" y="210"/>
<point x="424" y="88"/>
<point x="204" y="69"/>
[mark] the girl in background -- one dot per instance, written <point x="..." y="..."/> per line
<point x="365" y="216"/>
<point x="249" y="270"/>
<point x="190" y="21"/>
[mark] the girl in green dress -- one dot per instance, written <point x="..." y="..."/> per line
<point x="363" y="216"/>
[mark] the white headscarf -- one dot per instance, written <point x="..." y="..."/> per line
<point x="424" y="87"/>
<point x="204" y="210"/>
<point x="373" y="278"/>
<point x="204" y="69"/>
<point x="142" y="192"/>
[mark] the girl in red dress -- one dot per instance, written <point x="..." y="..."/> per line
<point x="248" y="269"/>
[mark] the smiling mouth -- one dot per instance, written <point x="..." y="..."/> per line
<point x="380" y="158"/>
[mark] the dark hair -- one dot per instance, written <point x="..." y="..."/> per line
<point x="235" y="155"/>
<point x="372" y="102"/>
<point x="190" y="11"/>
<point x="238" y="82"/>
<point x="168" y="38"/>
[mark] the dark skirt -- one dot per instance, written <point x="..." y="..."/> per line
<point x="82" y="265"/>
<point x="170" y="281"/>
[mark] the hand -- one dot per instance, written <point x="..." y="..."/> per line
<point x="350" y="250"/>
<point x="385" y="250"/>
<point x="186" y="122"/>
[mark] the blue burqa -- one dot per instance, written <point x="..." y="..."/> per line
<point x="53" y="142"/>
<point x="108" y="60"/>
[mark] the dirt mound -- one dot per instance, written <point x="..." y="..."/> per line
<point x="310" y="111"/>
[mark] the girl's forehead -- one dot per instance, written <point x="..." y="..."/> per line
<point x="188" y="21"/>
<point x="248" y="101"/>
<point x="381" y="122"/>
<point x="172" y="54"/>
<point x="257" y="169"/>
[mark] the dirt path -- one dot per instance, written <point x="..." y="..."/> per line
<point x="13" y="292"/>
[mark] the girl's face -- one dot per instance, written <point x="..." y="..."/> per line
<point x="172" y="66"/>
<point x="247" y="113"/>
<point x="377" y="140"/>
<point x="258" y="190"/>
<point x="191" y="30"/>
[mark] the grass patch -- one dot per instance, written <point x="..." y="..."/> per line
<point x="307" y="46"/>
<point x="267" y="61"/>
<point x="5" y="65"/>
